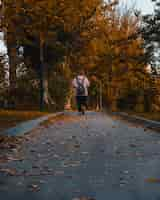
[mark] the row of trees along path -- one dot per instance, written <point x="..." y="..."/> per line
<point x="48" y="39"/>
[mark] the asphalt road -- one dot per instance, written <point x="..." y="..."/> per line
<point x="96" y="157"/>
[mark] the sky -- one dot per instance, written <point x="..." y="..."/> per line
<point x="144" y="5"/>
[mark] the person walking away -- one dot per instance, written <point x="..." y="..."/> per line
<point x="81" y="85"/>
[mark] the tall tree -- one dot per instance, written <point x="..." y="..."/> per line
<point x="8" y="28"/>
<point x="151" y="32"/>
<point x="115" y="52"/>
<point x="3" y="71"/>
<point x="47" y="30"/>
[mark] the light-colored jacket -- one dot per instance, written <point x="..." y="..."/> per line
<point x="81" y="79"/>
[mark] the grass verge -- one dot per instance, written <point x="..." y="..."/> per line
<point x="147" y="115"/>
<point x="10" y="119"/>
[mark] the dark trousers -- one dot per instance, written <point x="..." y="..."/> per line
<point x="81" y="101"/>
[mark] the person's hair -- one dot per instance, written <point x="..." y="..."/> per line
<point x="81" y="72"/>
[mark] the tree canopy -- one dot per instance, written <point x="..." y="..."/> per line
<point x="63" y="36"/>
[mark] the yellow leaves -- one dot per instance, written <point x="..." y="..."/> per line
<point x="84" y="34"/>
<point x="97" y="46"/>
<point x="10" y="172"/>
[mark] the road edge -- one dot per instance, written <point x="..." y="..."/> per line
<point x="150" y="124"/>
<point x="26" y="127"/>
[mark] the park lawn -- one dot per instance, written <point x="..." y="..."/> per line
<point x="12" y="118"/>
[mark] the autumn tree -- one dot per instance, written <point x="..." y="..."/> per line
<point x="115" y="53"/>
<point x="10" y="38"/>
<point x="47" y="31"/>
<point x="151" y="31"/>
<point x="124" y="58"/>
<point x="58" y="37"/>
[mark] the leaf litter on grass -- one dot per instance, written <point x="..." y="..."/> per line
<point x="153" y="180"/>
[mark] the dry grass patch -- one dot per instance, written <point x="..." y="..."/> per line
<point x="151" y="116"/>
<point x="147" y="115"/>
<point x="12" y="118"/>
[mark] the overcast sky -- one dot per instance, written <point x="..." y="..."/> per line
<point x="146" y="6"/>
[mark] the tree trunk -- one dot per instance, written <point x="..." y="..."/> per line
<point x="41" y="73"/>
<point x="47" y="97"/>
<point x="12" y="67"/>
<point x="12" y="75"/>
<point x="67" y="74"/>
<point x="12" y="54"/>
<point x="68" y="103"/>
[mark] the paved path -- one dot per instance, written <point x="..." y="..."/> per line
<point x="93" y="156"/>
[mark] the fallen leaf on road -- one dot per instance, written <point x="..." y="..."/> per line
<point x="14" y="159"/>
<point x="10" y="172"/>
<point x="3" y="159"/>
<point x="34" y="188"/>
<point x="77" y="146"/>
